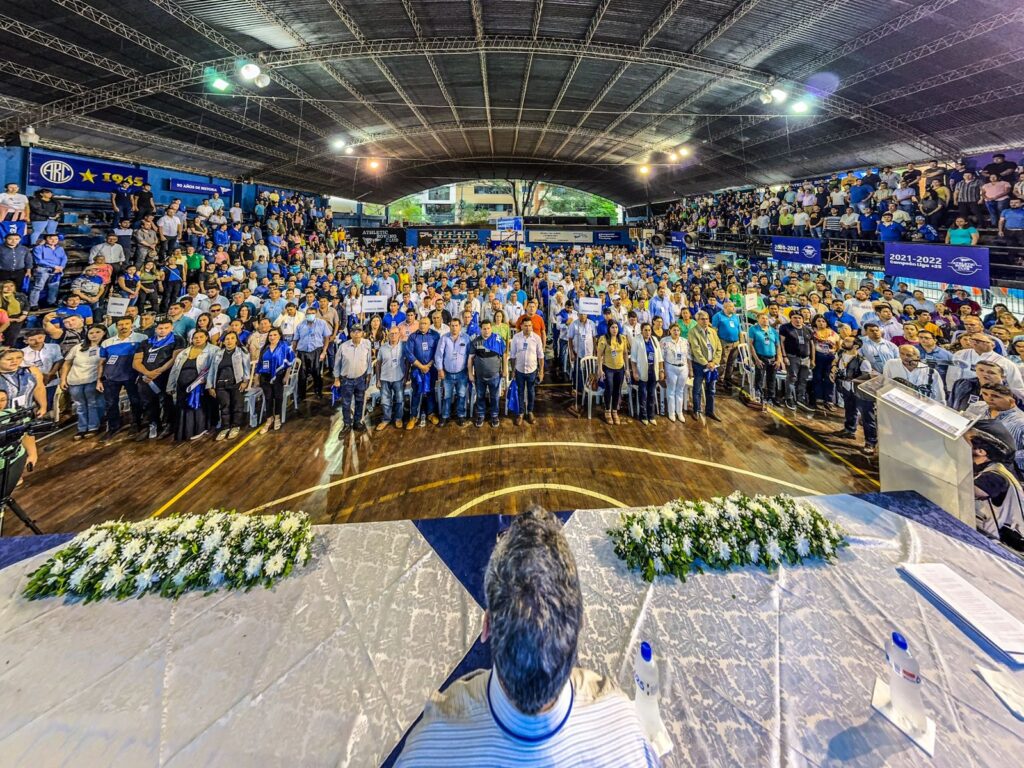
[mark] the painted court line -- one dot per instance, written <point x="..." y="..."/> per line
<point x="544" y="444"/>
<point x="535" y="487"/>
<point x="227" y="455"/>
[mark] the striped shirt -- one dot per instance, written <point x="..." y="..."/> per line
<point x="473" y="724"/>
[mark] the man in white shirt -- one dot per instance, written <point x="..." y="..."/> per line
<point x="204" y="210"/>
<point x="236" y="213"/>
<point x="527" y="353"/>
<point x="110" y="250"/>
<point x="859" y="305"/>
<point x="169" y="227"/>
<point x="908" y="369"/>
<point x="977" y="347"/>
<point x="289" y="321"/>
<point x="532" y="707"/>
<point x="46" y="357"/>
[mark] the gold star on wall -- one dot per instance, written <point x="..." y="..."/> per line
<point x="88" y="175"/>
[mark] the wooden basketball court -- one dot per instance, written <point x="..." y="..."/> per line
<point x="561" y="461"/>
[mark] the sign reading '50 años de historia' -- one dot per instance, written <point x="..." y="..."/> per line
<point x="57" y="172"/>
<point x="954" y="264"/>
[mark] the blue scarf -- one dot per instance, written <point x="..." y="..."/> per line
<point x="421" y="381"/>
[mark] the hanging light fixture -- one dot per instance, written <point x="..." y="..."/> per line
<point x="262" y="80"/>
<point x="250" y="71"/>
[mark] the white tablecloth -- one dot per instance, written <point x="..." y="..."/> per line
<point x="328" y="669"/>
<point x="778" y="669"/>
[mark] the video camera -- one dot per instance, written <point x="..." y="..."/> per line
<point x="20" y="422"/>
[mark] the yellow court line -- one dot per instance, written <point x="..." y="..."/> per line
<point x="817" y="442"/>
<point x="533" y="487"/>
<point x="227" y="455"/>
<point x="544" y="444"/>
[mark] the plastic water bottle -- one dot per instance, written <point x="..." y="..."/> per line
<point x="645" y="675"/>
<point x="905" y="683"/>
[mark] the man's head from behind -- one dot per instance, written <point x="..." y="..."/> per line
<point x="534" y="610"/>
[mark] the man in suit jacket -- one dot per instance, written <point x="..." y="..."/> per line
<point x="706" y="354"/>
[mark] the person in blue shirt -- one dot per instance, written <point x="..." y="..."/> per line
<point x="890" y="231"/>
<point x="221" y="238"/>
<point x="1011" y="223"/>
<point x="116" y="372"/>
<point x="925" y="231"/>
<point x="311" y="339"/>
<point x="274" y="305"/>
<point x="859" y="192"/>
<point x="420" y="349"/>
<point x="868" y="224"/>
<point x="451" y="359"/>
<point x="838" y="315"/>
<point x="50" y="260"/>
<point x="767" y="354"/>
<point x="727" y="323"/>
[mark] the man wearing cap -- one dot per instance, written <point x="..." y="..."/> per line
<point x="998" y="495"/>
<point x="312" y="338"/>
<point x="352" y="374"/>
<point x="49" y="259"/>
<point x="451" y="359"/>
<point x="924" y="232"/>
<point x="15" y="259"/>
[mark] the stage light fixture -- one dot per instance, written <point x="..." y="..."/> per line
<point x="249" y="71"/>
<point x="644" y="170"/>
<point x="374" y="165"/>
<point x="673" y="156"/>
<point x="262" y="80"/>
<point x="220" y="84"/>
<point x="683" y="151"/>
<point x="800" y="106"/>
<point x="339" y="143"/>
<point x="348" y="150"/>
<point x="766" y="97"/>
<point x="779" y="95"/>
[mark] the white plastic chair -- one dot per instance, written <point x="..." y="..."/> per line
<point x="748" y="374"/>
<point x="588" y="367"/>
<point x="254" y="404"/>
<point x="291" y="389"/>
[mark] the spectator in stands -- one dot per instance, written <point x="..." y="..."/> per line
<point x="1003" y="408"/>
<point x="122" y="201"/>
<point x="967" y="198"/>
<point x="996" y="197"/>
<point x="1001" y="168"/>
<point x="962" y="233"/>
<point x="533" y="707"/>
<point x="1011" y="224"/>
<point x="147" y="240"/>
<point x="45" y="212"/>
<point x="143" y="203"/>
<point x="111" y="251"/>
<point x="15" y="259"/>
<point x="13" y="204"/>
<point x="50" y="260"/>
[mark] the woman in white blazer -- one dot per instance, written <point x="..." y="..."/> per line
<point x="648" y="369"/>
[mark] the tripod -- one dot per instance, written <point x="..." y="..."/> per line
<point x="14" y="465"/>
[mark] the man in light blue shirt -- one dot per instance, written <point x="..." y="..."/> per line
<point x="727" y="323"/>
<point x="391" y="371"/>
<point x="50" y="259"/>
<point x="875" y="348"/>
<point x="451" y="358"/>
<point x="311" y="339"/>
<point x="661" y="306"/>
<point x="274" y="305"/>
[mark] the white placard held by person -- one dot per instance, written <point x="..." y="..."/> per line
<point x="375" y="304"/>
<point x="590" y="306"/>
<point x="117" y="306"/>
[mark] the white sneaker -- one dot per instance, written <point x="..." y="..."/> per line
<point x="199" y="436"/>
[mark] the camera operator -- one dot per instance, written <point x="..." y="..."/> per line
<point x="27" y="449"/>
<point x="24" y="385"/>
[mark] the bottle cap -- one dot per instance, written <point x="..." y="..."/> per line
<point x="645" y="651"/>
<point x="899" y="641"/>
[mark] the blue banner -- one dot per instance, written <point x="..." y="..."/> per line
<point x="956" y="264"/>
<point x="56" y="173"/>
<point x="198" y="187"/>
<point x="801" y="250"/>
<point x="514" y="223"/>
<point x="678" y="240"/>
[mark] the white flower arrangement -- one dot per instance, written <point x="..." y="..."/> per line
<point x="175" y="555"/>
<point x="686" y="536"/>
